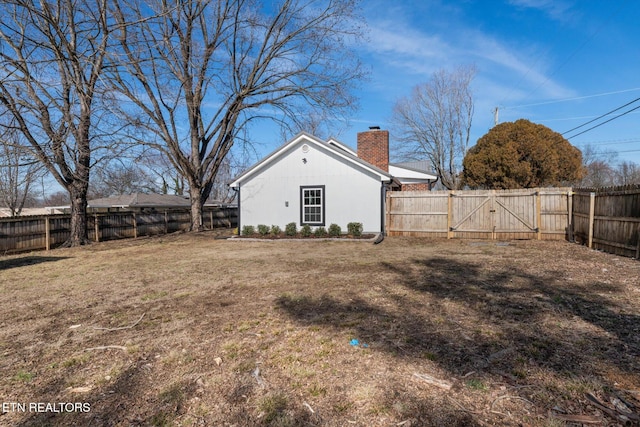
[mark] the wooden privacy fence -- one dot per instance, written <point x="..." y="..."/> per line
<point x="608" y="219"/>
<point x="49" y="231"/>
<point x="481" y="214"/>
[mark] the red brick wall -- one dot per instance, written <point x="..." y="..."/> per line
<point x="373" y="147"/>
<point x="415" y="187"/>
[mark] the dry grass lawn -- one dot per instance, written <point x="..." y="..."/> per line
<point x="189" y="330"/>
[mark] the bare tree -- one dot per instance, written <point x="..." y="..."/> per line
<point x="52" y="55"/>
<point x="18" y="172"/>
<point x="231" y="166"/>
<point x="434" y="122"/>
<point x="163" y="171"/>
<point x="197" y="71"/>
<point x="59" y="198"/>
<point x="599" y="174"/>
<point x="122" y="176"/>
<point x="628" y="173"/>
<point x="599" y="171"/>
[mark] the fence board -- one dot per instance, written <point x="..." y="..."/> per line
<point x="612" y="224"/>
<point x="481" y="214"/>
<point x="611" y="221"/>
<point x="30" y="233"/>
<point x="410" y="211"/>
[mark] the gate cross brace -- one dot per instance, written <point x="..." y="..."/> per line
<point x="453" y="228"/>
<point x="517" y="217"/>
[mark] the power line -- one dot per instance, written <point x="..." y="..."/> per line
<point x="495" y="111"/>
<point x="529" y="69"/>
<point x="611" y="141"/>
<point x="567" y="119"/>
<point x="612" y="154"/>
<point x="575" y="51"/>
<point x="606" y="121"/>
<point x="575" y="98"/>
<point x="601" y="116"/>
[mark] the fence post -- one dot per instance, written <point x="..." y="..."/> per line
<point x="450" y="215"/>
<point x="570" y="216"/>
<point x="592" y="210"/>
<point x="166" y="223"/>
<point x="211" y="217"/>
<point x="638" y="245"/>
<point x="538" y="215"/>
<point x="96" y="227"/>
<point x="387" y="214"/>
<point x="47" y="233"/>
<point x="135" y="226"/>
<point x="492" y="210"/>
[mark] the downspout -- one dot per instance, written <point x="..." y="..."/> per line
<point x="383" y="202"/>
<point x="433" y="183"/>
<point x="237" y="190"/>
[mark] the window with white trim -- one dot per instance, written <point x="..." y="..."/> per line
<point x="312" y="205"/>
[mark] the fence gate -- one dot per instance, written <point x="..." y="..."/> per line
<point x="535" y="213"/>
<point x="491" y="214"/>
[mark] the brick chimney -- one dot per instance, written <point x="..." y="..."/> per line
<point x="373" y="147"/>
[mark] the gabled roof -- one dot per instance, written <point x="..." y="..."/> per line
<point x="332" y="145"/>
<point x="412" y="171"/>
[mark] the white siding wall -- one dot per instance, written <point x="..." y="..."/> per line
<point x="351" y="195"/>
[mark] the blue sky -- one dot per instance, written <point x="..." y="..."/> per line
<point x="560" y="63"/>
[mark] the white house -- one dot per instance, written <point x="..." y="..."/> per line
<point x="316" y="182"/>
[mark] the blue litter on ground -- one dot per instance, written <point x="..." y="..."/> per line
<point x="355" y="342"/>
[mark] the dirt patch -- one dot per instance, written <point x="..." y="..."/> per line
<point x="192" y="330"/>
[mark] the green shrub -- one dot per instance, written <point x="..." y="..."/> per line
<point x="320" y="232"/>
<point x="248" y="230"/>
<point x="275" y="230"/>
<point x="305" y="231"/>
<point x="291" y="229"/>
<point x="355" y="229"/>
<point x="335" y="230"/>
<point x="263" y="229"/>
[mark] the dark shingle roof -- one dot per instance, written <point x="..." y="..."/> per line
<point x="418" y="166"/>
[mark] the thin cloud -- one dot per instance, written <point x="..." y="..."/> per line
<point x="406" y="47"/>
<point x="405" y="42"/>
<point x="415" y="52"/>
<point x="555" y="9"/>
<point x="491" y="52"/>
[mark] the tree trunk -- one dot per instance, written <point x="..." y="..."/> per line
<point x="78" y="217"/>
<point x="196" y="209"/>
